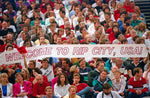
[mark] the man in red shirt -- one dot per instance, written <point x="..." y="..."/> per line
<point x="39" y="87"/>
<point x="137" y="85"/>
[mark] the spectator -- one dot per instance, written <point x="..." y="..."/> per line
<point x="65" y="66"/>
<point x="115" y="29"/>
<point x="49" y="92"/>
<point x="36" y="71"/>
<point x="107" y="93"/>
<point x="21" y="88"/>
<point x="83" y="69"/>
<point x="121" y="68"/>
<point x="135" y="21"/>
<point x="47" y="70"/>
<point x="61" y="87"/>
<point x="119" y="83"/>
<point x="99" y="66"/>
<point x="83" y="89"/>
<point x="141" y="29"/>
<point x="139" y="14"/>
<point x="127" y="33"/>
<point x="26" y="74"/>
<point x="75" y="70"/>
<point x="130" y="39"/>
<point x="6" y="87"/>
<point x="39" y="87"/>
<point x="147" y="41"/>
<point x="99" y="81"/>
<point x="137" y="85"/>
<point x="72" y="92"/>
<point x="117" y="12"/>
<point x="127" y="6"/>
<point x="5" y="30"/>
<point x="31" y="65"/>
<point x="136" y="63"/>
<point x="146" y="75"/>
<point x="58" y="71"/>
<point x="111" y="73"/>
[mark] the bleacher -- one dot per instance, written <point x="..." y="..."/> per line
<point x="145" y="9"/>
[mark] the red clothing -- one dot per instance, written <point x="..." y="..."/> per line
<point x="116" y="14"/>
<point x="44" y="79"/>
<point x="39" y="89"/>
<point x="109" y="30"/>
<point x="42" y="7"/>
<point x="2" y="47"/>
<point x="137" y="84"/>
<point x="80" y="87"/>
<point x="87" y="18"/>
<point x="20" y="67"/>
<point x="111" y="36"/>
<point x="27" y="87"/>
<point x="63" y="27"/>
<point x="53" y="82"/>
<point x="128" y="8"/>
<point x="126" y="36"/>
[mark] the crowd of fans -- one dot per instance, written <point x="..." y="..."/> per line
<point x="31" y="23"/>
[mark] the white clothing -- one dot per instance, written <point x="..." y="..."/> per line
<point x="130" y="40"/>
<point x="148" y="78"/>
<point x="119" y="86"/>
<point x="67" y="96"/>
<point x="75" y="22"/>
<point x="147" y="42"/>
<point x="9" y="90"/>
<point x="30" y="14"/>
<point x="56" y="13"/>
<point x="61" y="90"/>
<point x="116" y="41"/>
<point x="61" y="21"/>
<point x="91" y="29"/>
<point x="102" y="17"/>
<point x="48" y="72"/>
<point x="114" y="94"/>
<point x="21" y="43"/>
<point x="94" y="5"/>
<point x="12" y="27"/>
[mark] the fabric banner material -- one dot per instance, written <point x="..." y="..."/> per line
<point x="75" y="51"/>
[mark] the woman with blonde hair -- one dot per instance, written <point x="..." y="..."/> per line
<point x="26" y="74"/>
<point x="117" y="12"/>
<point x="104" y="39"/>
<point x="141" y="29"/>
<point x="6" y="87"/>
<point x="127" y="33"/>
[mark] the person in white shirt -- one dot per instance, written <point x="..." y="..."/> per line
<point x="47" y="70"/>
<point x="92" y="27"/>
<point x="147" y="41"/>
<point x="61" y="87"/>
<point x="62" y="17"/>
<point x="118" y="83"/>
<point x="107" y="92"/>
<point x="130" y="39"/>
